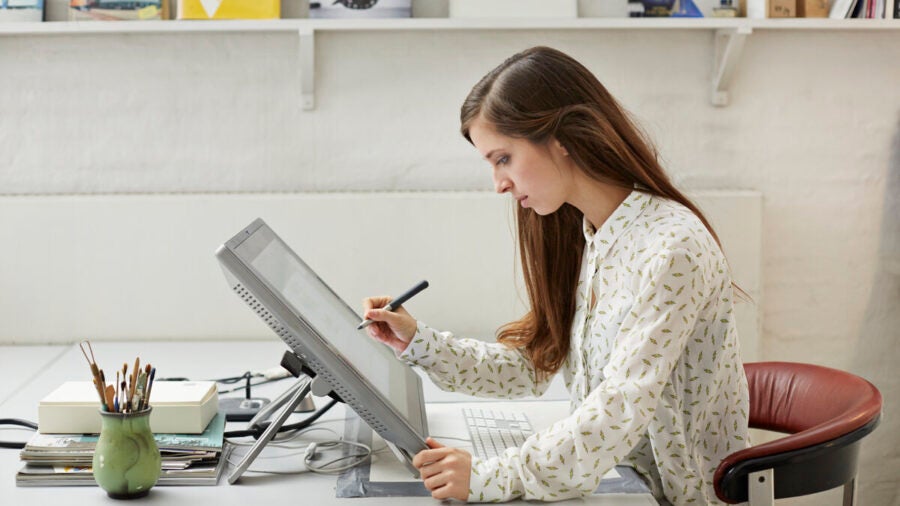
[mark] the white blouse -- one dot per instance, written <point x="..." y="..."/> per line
<point x="654" y="370"/>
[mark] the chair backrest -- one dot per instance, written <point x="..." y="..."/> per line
<point x="825" y="412"/>
<point x="813" y="402"/>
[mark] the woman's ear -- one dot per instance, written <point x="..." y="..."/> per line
<point x="560" y="149"/>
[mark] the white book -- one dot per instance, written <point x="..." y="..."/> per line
<point x="841" y="9"/>
<point x="179" y="407"/>
<point x="513" y="9"/>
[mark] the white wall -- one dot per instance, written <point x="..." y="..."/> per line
<point x="813" y="125"/>
<point x="138" y="267"/>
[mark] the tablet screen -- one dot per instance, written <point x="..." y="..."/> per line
<point x="310" y="298"/>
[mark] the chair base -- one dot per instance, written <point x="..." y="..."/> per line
<point x="850" y="493"/>
<point x="761" y="489"/>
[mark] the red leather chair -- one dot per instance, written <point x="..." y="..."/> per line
<point x="826" y="413"/>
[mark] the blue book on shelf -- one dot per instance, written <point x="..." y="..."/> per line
<point x="687" y="9"/>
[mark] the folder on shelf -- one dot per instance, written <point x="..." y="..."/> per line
<point x="179" y="407"/>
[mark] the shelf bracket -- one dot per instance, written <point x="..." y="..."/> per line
<point x="307" y="39"/>
<point x="728" y="45"/>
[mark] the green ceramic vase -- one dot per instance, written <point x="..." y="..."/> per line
<point x="126" y="461"/>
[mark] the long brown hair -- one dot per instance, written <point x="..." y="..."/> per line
<point x="543" y="94"/>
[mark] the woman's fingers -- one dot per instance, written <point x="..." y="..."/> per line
<point x="433" y="444"/>
<point x="445" y="470"/>
<point x="393" y="328"/>
<point x="429" y="457"/>
<point x="388" y="317"/>
<point x="450" y="491"/>
<point x="375" y="302"/>
<point x="378" y="330"/>
<point x="442" y="486"/>
<point x="431" y="471"/>
<point x="436" y="480"/>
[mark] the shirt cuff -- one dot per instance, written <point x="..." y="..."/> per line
<point x="422" y="348"/>
<point x="484" y="481"/>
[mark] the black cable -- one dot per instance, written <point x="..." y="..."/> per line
<point x="16" y="445"/>
<point x="256" y="432"/>
<point x="263" y="382"/>
<point x="231" y="380"/>
<point x="228" y="380"/>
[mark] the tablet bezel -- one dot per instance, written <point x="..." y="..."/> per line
<point x="331" y="367"/>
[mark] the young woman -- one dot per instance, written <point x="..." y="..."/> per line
<point x="630" y="295"/>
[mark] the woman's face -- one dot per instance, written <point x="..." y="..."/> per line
<point x="537" y="176"/>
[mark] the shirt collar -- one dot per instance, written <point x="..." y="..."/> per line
<point x="602" y="240"/>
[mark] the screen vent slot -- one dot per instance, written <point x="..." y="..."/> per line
<point x="313" y="363"/>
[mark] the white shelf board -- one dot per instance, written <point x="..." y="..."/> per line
<point x="730" y="34"/>
<point x="437" y="24"/>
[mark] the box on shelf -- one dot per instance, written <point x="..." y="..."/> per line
<point x="179" y="407"/>
<point x="21" y="10"/>
<point x="229" y="9"/>
<point x="812" y="8"/>
<point x="771" y="8"/>
<point x="115" y="10"/>
<point x="782" y="8"/>
<point x="513" y="9"/>
<point x="345" y="9"/>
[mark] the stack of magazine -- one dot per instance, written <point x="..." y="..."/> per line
<point x="65" y="459"/>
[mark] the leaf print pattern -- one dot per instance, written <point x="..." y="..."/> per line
<point x="654" y="371"/>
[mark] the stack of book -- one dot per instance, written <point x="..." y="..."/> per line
<point x="65" y="459"/>
<point x="21" y="10"/>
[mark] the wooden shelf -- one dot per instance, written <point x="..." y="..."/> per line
<point x="729" y="34"/>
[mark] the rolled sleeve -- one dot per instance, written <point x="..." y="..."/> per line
<point x="471" y="366"/>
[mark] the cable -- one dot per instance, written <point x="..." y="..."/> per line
<point x="246" y="387"/>
<point x="283" y="442"/>
<point x="16" y="445"/>
<point x="269" y="376"/>
<point x="323" y="468"/>
<point x="257" y="431"/>
<point x="310" y="454"/>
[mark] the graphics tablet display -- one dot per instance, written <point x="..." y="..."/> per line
<point x="321" y="328"/>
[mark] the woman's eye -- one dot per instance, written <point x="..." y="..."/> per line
<point x="503" y="160"/>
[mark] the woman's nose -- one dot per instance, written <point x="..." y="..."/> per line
<point x="501" y="184"/>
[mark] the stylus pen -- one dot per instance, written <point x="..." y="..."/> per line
<point x="397" y="302"/>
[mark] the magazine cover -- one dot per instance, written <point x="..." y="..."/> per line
<point x="114" y="10"/>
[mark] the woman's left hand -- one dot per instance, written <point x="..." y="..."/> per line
<point x="445" y="471"/>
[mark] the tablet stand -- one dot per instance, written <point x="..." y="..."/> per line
<point x="290" y="399"/>
<point x="300" y="389"/>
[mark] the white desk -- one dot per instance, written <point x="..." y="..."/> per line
<point x="21" y="364"/>
<point x="29" y="373"/>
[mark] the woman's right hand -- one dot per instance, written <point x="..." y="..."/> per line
<point x="394" y="328"/>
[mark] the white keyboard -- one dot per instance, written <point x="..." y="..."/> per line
<point x="493" y="431"/>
